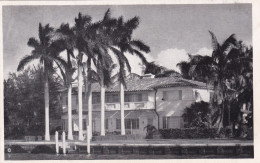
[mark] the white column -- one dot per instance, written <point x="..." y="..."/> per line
<point x="90" y="110"/>
<point x="88" y="139"/>
<point x="122" y="105"/>
<point x="57" y="142"/>
<point x="70" y="136"/>
<point x="80" y="101"/>
<point x="46" y="105"/>
<point x="102" y="96"/>
<point x="63" y="143"/>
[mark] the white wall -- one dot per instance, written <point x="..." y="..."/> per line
<point x="175" y="108"/>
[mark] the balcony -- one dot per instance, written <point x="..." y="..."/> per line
<point x="116" y="106"/>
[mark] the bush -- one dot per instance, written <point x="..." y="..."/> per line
<point x="197" y="115"/>
<point x="15" y="149"/>
<point x="43" y="149"/>
<point x="195" y="133"/>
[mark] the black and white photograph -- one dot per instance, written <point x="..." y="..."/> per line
<point x="127" y="81"/>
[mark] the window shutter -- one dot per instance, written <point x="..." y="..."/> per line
<point x="180" y="94"/>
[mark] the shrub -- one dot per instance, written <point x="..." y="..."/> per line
<point x="43" y="149"/>
<point x="195" y="133"/>
<point x="197" y="115"/>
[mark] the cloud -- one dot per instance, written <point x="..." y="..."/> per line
<point x="204" y="51"/>
<point x="134" y="61"/>
<point x="171" y="57"/>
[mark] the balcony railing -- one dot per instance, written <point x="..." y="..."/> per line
<point x="116" y="106"/>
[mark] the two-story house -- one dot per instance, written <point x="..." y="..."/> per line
<point x="156" y="101"/>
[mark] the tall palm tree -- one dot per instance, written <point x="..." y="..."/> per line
<point x="102" y="41"/>
<point x="81" y="23"/>
<point x="64" y="38"/>
<point x="123" y="40"/>
<point x="47" y="51"/>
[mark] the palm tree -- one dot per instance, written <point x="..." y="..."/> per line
<point x="45" y="50"/>
<point x="102" y="41"/>
<point x="80" y="32"/>
<point x="123" y="40"/>
<point x="216" y="74"/>
<point x="64" y="38"/>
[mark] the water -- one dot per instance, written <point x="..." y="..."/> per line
<point x="28" y="156"/>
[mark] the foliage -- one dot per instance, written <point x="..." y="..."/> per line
<point x="195" y="133"/>
<point x="197" y="115"/>
<point x="43" y="149"/>
<point x="24" y="102"/>
<point x="230" y="71"/>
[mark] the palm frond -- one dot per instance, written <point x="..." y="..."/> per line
<point x="214" y="41"/>
<point x="141" y="56"/>
<point x="140" y="45"/>
<point x="25" y="61"/>
<point x="132" y="23"/>
<point x="33" y="42"/>
<point x="230" y="41"/>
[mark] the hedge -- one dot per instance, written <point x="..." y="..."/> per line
<point x="194" y="133"/>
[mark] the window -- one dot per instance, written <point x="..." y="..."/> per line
<point x="112" y="98"/>
<point x="106" y="124"/>
<point x="118" y="123"/>
<point x="96" y="99"/>
<point x="180" y="94"/>
<point x="173" y="95"/>
<point x="84" y="124"/>
<point x="132" y="123"/>
<point x="77" y="101"/>
<point x="136" y="97"/>
<point x="135" y="123"/>
<point x="165" y="124"/>
<point x="129" y="123"/>
<point x="93" y="125"/>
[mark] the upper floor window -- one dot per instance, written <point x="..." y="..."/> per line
<point x="112" y="98"/>
<point x="172" y="95"/>
<point x="136" y="97"/>
<point x="95" y="98"/>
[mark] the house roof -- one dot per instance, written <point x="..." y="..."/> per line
<point x="148" y="84"/>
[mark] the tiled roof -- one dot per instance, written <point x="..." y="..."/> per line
<point x="148" y="84"/>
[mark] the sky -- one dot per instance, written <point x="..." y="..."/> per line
<point x="171" y="31"/>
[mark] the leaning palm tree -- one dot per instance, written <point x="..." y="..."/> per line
<point x="216" y="74"/>
<point x="47" y="51"/>
<point x="122" y="38"/>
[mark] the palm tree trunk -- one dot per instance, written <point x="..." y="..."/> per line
<point x="46" y="104"/>
<point x="102" y="96"/>
<point x="70" y="136"/>
<point x="90" y="108"/>
<point x="122" y="104"/>
<point x="80" y="100"/>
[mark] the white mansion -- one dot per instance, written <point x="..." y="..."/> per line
<point x="156" y="101"/>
